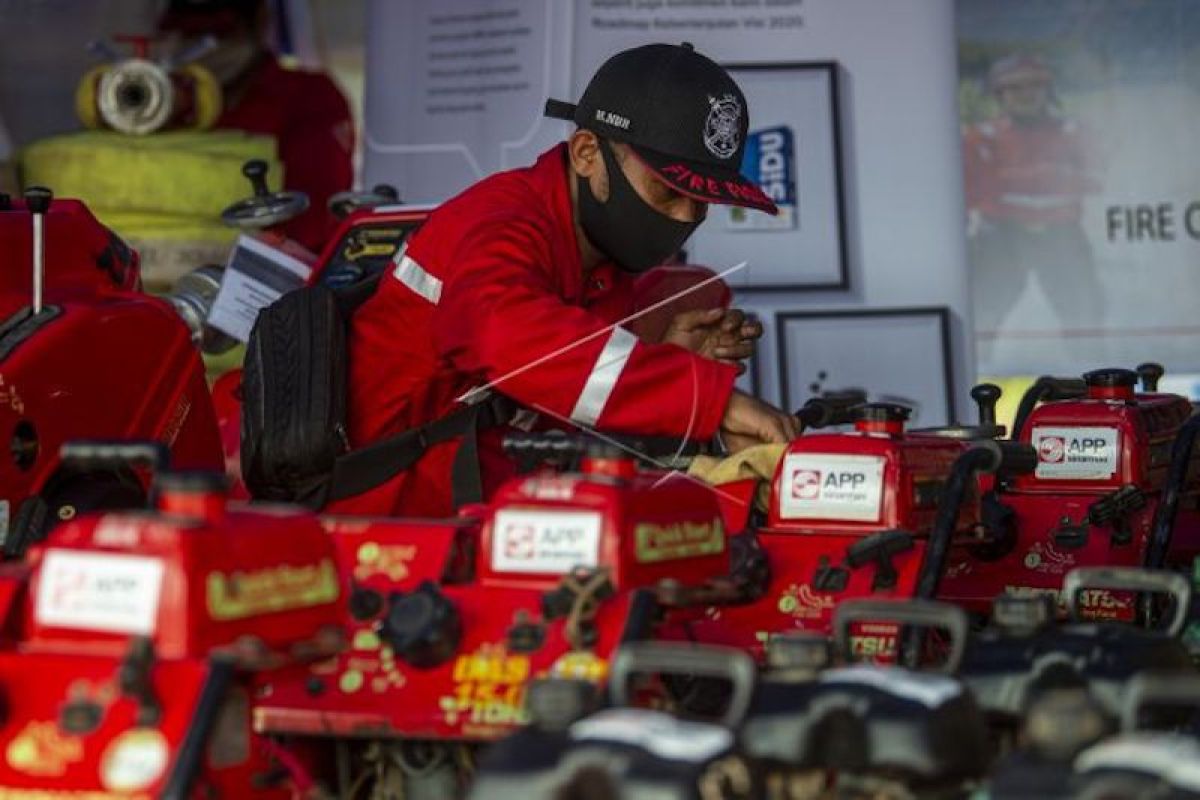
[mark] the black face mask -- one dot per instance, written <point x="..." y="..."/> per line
<point x="626" y="228"/>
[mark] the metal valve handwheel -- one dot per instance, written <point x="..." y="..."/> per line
<point x="343" y="204"/>
<point x="265" y="208"/>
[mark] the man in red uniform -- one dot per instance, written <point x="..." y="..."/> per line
<point x="525" y="285"/>
<point x="1026" y="177"/>
<point x="304" y="111"/>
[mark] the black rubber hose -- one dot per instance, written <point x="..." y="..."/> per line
<point x="1164" y="516"/>
<point x="1046" y="387"/>
<point x="988" y="456"/>
<point x="955" y="489"/>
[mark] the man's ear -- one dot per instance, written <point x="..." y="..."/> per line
<point x="583" y="149"/>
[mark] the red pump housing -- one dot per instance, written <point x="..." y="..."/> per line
<point x="850" y="516"/>
<point x="101" y="360"/>
<point x="150" y="633"/>
<point x="450" y="619"/>
<point x="1102" y="468"/>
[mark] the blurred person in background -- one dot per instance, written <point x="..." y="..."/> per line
<point x="1027" y="173"/>
<point x="304" y="111"/>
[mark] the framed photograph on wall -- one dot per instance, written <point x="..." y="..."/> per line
<point x="794" y="152"/>
<point x="898" y="355"/>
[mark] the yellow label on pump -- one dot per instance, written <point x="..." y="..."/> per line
<point x="41" y="749"/>
<point x="238" y="595"/>
<point x="676" y="540"/>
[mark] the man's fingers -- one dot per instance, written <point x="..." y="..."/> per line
<point x="774" y="431"/>
<point x="691" y="320"/>
<point x="734" y="318"/>
<point x="751" y="330"/>
<point x="733" y="352"/>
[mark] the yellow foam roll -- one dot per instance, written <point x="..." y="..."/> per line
<point x="143" y="225"/>
<point x="183" y="173"/>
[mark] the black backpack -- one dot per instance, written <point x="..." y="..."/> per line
<point x="295" y="446"/>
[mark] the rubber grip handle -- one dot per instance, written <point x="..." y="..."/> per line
<point x="1158" y="689"/>
<point x="823" y="412"/>
<point x="1064" y="388"/>
<point x="1009" y="457"/>
<point x="674" y="658"/>
<point x="926" y="614"/>
<point x="1131" y="579"/>
<point x="37" y="199"/>
<point x="89" y="454"/>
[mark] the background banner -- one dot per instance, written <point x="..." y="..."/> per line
<point x="1079" y="122"/>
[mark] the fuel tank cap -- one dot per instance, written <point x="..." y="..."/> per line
<point x="1111" y="383"/>
<point x="882" y="418"/>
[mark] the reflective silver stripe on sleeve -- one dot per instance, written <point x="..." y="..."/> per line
<point x="604" y="377"/>
<point x="414" y="276"/>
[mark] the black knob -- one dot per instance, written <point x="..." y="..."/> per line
<point x="386" y="190"/>
<point x="1150" y="373"/>
<point x="422" y="627"/>
<point x="884" y="412"/>
<point x="365" y="603"/>
<point x="256" y="171"/>
<point x="37" y="199"/>
<point x="1110" y="377"/>
<point x="986" y="395"/>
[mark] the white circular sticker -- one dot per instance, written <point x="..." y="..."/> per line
<point x="134" y="760"/>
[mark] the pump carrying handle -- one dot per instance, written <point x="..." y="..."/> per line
<point x="1131" y="579"/>
<point x="1147" y="689"/>
<point x="834" y="409"/>
<point x="93" y="454"/>
<point x="916" y="614"/>
<point x="676" y="658"/>
<point x="1046" y="388"/>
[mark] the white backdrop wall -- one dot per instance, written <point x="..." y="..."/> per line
<point x="433" y="132"/>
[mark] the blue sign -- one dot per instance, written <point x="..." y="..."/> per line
<point x="770" y="161"/>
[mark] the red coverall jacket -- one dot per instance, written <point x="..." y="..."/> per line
<point x="311" y="123"/>
<point x="489" y="284"/>
<point x="1032" y="174"/>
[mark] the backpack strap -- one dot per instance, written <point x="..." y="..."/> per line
<point x="364" y="469"/>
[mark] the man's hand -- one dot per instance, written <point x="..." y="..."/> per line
<point x="717" y="333"/>
<point x="749" y="421"/>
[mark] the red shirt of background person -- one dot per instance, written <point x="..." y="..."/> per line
<point x="1028" y="166"/>
<point x="303" y="111"/>
<point x="523" y="283"/>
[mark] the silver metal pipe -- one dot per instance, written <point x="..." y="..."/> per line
<point x="39" y="262"/>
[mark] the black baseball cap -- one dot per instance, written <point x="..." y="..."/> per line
<point x="682" y="115"/>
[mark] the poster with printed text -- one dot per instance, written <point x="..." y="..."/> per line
<point x="1083" y="193"/>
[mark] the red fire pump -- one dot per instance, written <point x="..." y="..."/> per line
<point x="852" y="515"/>
<point x="85" y="353"/>
<point x="138" y="642"/>
<point x="1114" y="485"/>
<point x="450" y="619"/>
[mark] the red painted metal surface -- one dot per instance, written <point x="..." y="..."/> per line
<point x="229" y="600"/>
<point x="498" y="570"/>
<point x="1059" y="494"/>
<point x="113" y="363"/>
